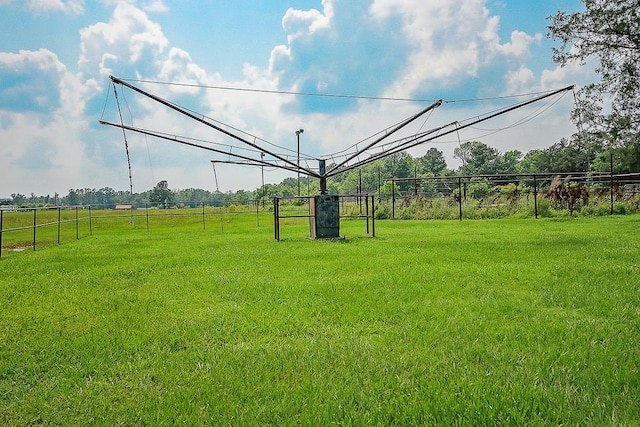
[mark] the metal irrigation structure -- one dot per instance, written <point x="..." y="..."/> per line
<point x="245" y="148"/>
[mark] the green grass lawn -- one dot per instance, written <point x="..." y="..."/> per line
<point x="514" y="322"/>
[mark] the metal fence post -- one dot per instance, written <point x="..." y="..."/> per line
<point x="393" y="200"/>
<point x="276" y="219"/>
<point x="373" y="217"/>
<point x="204" y="221"/>
<point x="460" y="198"/>
<point x="535" y="196"/>
<point x="58" y="224"/>
<point x="366" y="211"/>
<point x="77" y="225"/>
<point x="1" y="218"/>
<point x="611" y="180"/>
<point x="34" y="228"/>
<point x="258" y="213"/>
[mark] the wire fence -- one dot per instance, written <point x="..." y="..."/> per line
<point x="29" y="228"/>
<point x="495" y="196"/>
<point x="441" y="197"/>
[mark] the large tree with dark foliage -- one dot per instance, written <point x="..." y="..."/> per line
<point x="161" y="195"/>
<point x="432" y="162"/>
<point x="609" y="32"/>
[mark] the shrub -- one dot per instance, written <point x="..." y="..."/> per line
<point x="383" y="211"/>
<point x="620" y="208"/>
<point x="478" y="190"/>
<point x="544" y="208"/>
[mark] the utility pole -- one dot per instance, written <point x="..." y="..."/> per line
<point x="298" y="132"/>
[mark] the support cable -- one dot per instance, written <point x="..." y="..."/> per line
<point x="126" y="147"/>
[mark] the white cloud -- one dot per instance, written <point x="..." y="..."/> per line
<point x="155" y="6"/>
<point x="44" y="124"/>
<point x="29" y="80"/>
<point x="75" y="7"/>
<point x="280" y="56"/>
<point x="298" y="23"/>
<point x="179" y="68"/>
<point x="570" y="73"/>
<point x="519" y="81"/>
<point x="451" y="41"/>
<point x="519" y="45"/>
<point x="42" y="59"/>
<point x="130" y="40"/>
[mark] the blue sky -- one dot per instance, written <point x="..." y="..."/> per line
<point x="56" y="56"/>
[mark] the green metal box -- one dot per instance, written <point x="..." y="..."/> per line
<point x="324" y="221"/>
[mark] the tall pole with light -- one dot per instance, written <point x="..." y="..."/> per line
<point x="298" y="132"/>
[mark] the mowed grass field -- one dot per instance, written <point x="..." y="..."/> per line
<point x="503" y="322"/>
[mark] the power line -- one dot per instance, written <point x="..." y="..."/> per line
<point x="331" y="95"/>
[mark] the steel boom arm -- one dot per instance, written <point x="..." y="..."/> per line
<point x="180" y="110"/>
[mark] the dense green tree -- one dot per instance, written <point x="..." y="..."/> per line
<point x="568" y="156"/>
<point x="433" y="162"/>
<point x="398" y="165"/>
<point x="389" y="189"/>
<point x="18" y="199"/>
<point x="241" y="197"/>
<point x="628" y="157"/>
<point x="106" y="196"/>
<point x="161" y="195"/>
<point x="508" y="162"/>
<point x="533" y="162"/>
<point x="74" y="197"/>
<point x="609" y="32"/>
<point x="477" y="158"/>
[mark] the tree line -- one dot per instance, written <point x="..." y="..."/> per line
<point x="476" y="158"/>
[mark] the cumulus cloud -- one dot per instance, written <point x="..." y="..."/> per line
<point x="519" y="81"/>
<point x="155" y="6"/>
<point x="30" y="80"/>
<point x="450" y="41"/>
<point x="43" y="117"/>
<point x="179" y="67"/>
<point x="298" y="23"/>
<point x="404" y="48"/>
<point x="75" y="7"/>
<point x="44" y="105"/>
<point x="339" y="50"/>
<point x="518" y="47"/>
<point x="129" y="41"/>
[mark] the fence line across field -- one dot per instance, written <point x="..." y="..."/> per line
<point x="41" y="218"/>
<point x="622" y="183"/>
<point x="16" y="220"/>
